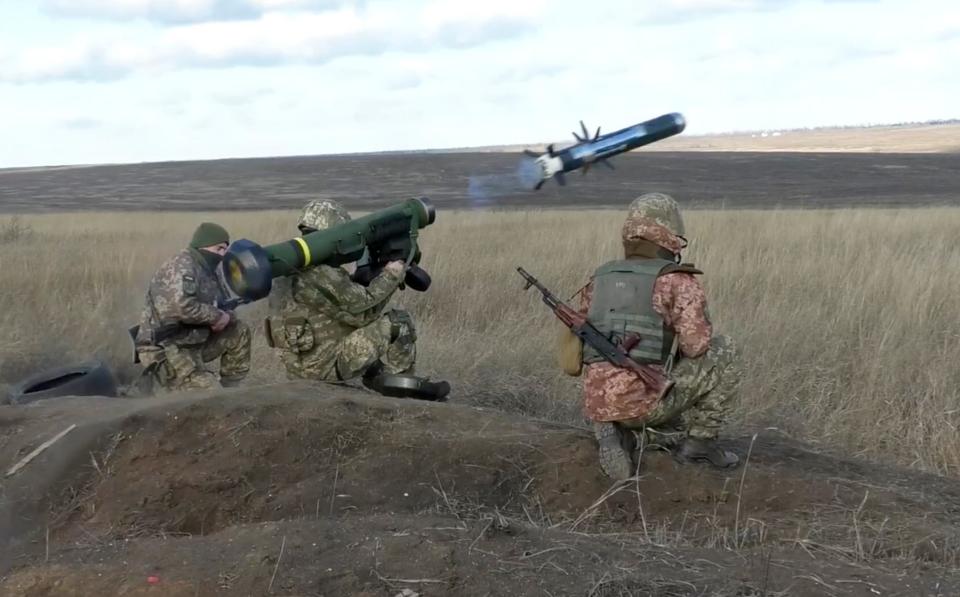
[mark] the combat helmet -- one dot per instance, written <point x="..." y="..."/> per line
<point x="661" y="208"/>
<point x="321" y="214"/>
<point x="655" y="217"/>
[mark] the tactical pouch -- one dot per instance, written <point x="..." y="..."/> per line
<point x="290" y="333"/>
<point x="177" y="364"/>
<point x="570" y="352"/>
<point x="400" y="322"/>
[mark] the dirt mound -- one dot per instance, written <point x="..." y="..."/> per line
<point x="439" y="555"/>
<point x="300" y="489"/>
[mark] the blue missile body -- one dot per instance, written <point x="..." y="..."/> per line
<point x="588" y="151"/>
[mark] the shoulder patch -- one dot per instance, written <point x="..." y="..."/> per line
<point x="189" y="285"/>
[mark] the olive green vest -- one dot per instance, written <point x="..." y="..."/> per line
<point x="622" y="305"/>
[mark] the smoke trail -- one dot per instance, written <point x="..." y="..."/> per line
<point x="483" y="188"/>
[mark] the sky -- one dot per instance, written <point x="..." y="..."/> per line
<point x="117" y="81"/>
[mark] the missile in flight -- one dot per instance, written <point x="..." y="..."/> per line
<point x="588" y="151"/>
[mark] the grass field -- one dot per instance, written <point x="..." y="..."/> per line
<point x="847" y="318"/>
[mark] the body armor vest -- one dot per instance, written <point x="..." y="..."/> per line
<point x="622" y="308"/>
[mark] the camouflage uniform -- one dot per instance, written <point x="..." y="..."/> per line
<point x="326" y="327"/>
<point x="705" y="366"/>
<point x="705" y="370"/>
<point x="185" y="291"/>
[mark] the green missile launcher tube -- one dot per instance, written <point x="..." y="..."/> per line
<point x="249" y="268"/>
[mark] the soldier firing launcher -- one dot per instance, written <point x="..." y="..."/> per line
<point x="372" y="241"/>
<point x="588" y="151"/>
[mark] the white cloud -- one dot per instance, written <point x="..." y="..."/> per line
<point x="179" y="11"/>
<point x="271" y="39"/>
<point x="406" y="74"/>
<point x="80" y="122"/>
<point x="699" y="5"/>
<point x="684" y="11"/>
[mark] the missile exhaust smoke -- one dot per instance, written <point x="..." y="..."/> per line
<point x="522" y="177"/>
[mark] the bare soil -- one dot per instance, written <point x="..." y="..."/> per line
<point x="303" y="489"/>
<point x="487" y="180"/>
<point x="930" y="137"/>
<point x="920" y="138"/>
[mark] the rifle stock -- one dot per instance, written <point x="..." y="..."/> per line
<point x="168" y="330"/>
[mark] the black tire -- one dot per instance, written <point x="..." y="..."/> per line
<point x="87" y="379"/>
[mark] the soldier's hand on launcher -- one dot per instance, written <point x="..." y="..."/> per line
<point x="395" y="267"/>
<point x="221" y="323"/>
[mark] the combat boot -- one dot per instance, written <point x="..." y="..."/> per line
<point x="704" y="450"/>
<point x="231" y="382"/>
<point x="614" y="451"/>
<point x="434" y="390"/>
<point x="371" y="373"/>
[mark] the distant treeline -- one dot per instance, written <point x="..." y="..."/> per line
<point x="890" y="125"/>
<point x="834" y="127"/>
<point x="565" y="142"/>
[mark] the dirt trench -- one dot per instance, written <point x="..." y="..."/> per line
<point x="434" y="489"/>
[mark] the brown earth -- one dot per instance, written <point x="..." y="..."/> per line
<point x="929" y="137"/>
<point x="487" y="180"/>
<point x="920" y="138"/>
<point x="302" y="489"/>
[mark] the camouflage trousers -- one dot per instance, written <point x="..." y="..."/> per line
<point x="389" y="340"/>
<point x="183" y="367"/>
<point x="702" y="398"/>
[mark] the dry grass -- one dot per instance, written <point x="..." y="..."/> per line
<point x="847" y="318"/>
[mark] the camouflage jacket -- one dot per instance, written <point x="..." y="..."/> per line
<point x="184" y="290"/>
<point x="615" y="394"/>
<point x="313" y="311"/>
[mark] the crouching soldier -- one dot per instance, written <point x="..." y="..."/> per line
<point x="182" y="325"/>
<point x="650" y="295"/>
<point x="326" y="327"/>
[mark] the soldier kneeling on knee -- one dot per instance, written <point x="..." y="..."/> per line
<point x="327" y="327"/>
<point x="649" y="294"/>
<point x="186" y="323"/>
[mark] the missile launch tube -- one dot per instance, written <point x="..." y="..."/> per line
<point x="250" y="268"/>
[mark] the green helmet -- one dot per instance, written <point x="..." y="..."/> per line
<point x="321" y="214"/>
<point x="660" y="208"/>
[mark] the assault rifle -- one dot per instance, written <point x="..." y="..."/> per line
<point x="614" y="353"/>
<point x="168" y="330"/>
<point x="231" y="304"/>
